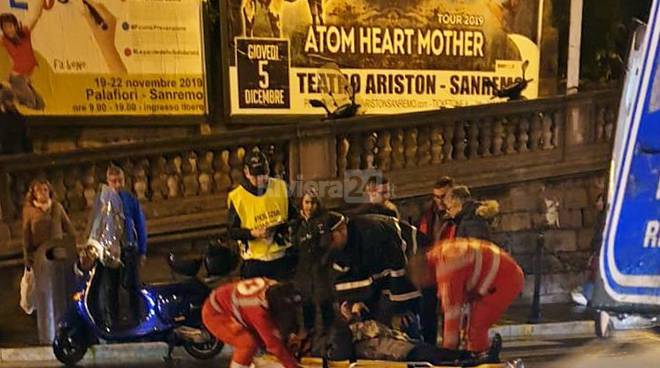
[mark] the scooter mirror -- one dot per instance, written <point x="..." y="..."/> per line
<point x="525" y="64"/>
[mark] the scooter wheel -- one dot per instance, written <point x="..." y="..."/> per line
<point x="69" y="347"/>
<point x="204" y="351"/>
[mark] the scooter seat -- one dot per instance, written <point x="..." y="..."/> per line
<point x="184" y="266"/>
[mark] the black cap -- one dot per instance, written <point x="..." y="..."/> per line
<point x="256" y="162"/>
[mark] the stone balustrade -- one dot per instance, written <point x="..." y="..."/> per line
<point x="183" y="183"/>
<point x="483" y="145"/>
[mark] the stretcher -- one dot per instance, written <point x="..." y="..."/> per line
<point x="268" y="361"/>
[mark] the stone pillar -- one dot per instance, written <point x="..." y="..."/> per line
<point x="316" y="154"/>
<point x="577" y="123"/>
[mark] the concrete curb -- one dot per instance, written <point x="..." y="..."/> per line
<point x="157" y="350"/>
<point x="96" y="353"/>
<point x="522" y="331"/>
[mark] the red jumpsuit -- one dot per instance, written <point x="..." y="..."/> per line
<point x="237" y="314"/>
<point x="478" y="272"/>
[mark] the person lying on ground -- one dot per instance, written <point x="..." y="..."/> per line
<point x="361" y="337"/>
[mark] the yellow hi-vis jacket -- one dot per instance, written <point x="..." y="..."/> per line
<point x="267" y="210"/>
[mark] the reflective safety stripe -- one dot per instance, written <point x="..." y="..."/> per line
<point x="414" y="239"/>
<point x="404" y="244"/>
<point x="476" y="272"/>
<point x="353" y="285"/>
<point x="402" y="297"/>
<point x="398" y="273"/>
<point x="339" y="268"/>
<point x="381" y="274"/>
<point x="214" y="303"/>
<point x="490" y="277"/>
<point x="234" y="309"/>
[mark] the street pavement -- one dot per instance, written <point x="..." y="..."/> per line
<point x="628" y="349"/>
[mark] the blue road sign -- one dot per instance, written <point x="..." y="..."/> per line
<point x="630" y="257"/>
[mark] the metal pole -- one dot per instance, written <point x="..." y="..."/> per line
<point x="535" y="315"/>
<point x="574" y="44"/>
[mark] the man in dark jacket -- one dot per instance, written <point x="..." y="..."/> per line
<point x="434" y="222"/>
<point x="378" y="194"/>
<point x="470" y="217"/>
<point x="368" y="254"/>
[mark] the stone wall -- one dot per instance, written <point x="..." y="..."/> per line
<point x="567" y="248"/>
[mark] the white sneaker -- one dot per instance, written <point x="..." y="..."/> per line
<point x="578" y="297"/>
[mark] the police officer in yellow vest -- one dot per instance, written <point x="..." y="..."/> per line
<point x="259" y="214"/>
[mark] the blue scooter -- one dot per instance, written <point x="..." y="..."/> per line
<point x="169" y="313"/>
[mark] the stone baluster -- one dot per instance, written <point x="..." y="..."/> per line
<point x="56" y="179"/>
<point x="279" y="161"/>
<point x="398" y="148"/>
<point x="370" y="144"/>
<point x="89" y="185"/>
<point x="437" y="144"/>
<point x="101" y="169"/>
<point x="610" y="120"/>
<point x="222" y="178"/>
<point x="557" y="117"/>
<point x="523" y="134"/>
<point x="342" y="155"/>
<point x="19" y="186"/>
<point x="410" y="147"/>
<point x="510" y="147"/>
<point x="498" y="137"/>
<point x="236" y="163"/>
<point x="600" y="124"/>
<point x="473" y="139"/>
<point x="448" y="147"/>
<point x="190" y="175"/>
<point x="459" y="141"/>
<point x="158" y="175"/>
<point x="384" y="157"/>
<point x="546" y="134"/>
<point x="355" y="150"/>
<point x="74" y="194"/>
<point x="537" y="132"/>
<point x="424" y="146"/>
<point x="206" y="173"/>
<point x="486" y="137"/>
<point x="174" y="177"/>
<point x="140" y="180"/>
<point x="127" y="165"/>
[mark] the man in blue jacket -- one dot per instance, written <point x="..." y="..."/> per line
<point x="133" y="254"/>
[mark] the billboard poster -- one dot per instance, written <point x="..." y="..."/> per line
<point x="103" y="57"/>
<point x="395" y="55"/>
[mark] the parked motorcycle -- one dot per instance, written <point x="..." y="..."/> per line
<point x="513" y="92"/>
<point x="338" y="93"/>
<point x="169" y="312"/>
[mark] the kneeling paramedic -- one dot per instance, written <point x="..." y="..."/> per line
<point x="368" y="255"/>
<point x="255" y="313"/>
<point x="476" y="281"/>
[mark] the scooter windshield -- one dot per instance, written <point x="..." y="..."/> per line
<point x="106" y="232"/>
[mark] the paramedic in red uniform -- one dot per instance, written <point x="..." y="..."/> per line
<point x="472" y="272"/>
<point x="252" y="313"/>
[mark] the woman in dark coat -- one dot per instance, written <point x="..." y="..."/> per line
<point x="470" y="218"/>
<point x="312" y="273"/>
